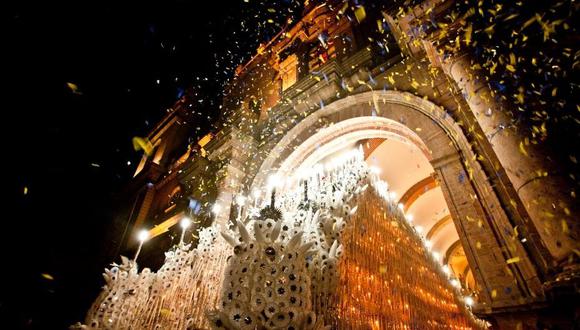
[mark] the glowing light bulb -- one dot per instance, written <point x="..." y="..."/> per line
<point x="185" y="223"/>
<point x="409" y="217"/>
<point x="428" y="244"/>
<point x="469" y="301"/>
<point x="305" y="172"/>
<point x="143" y="235"/>
<point x="241" y="200"/>
<point x="393" y="195"/>
<point x="437" y="256"/>
<point x="455" y="283"/>
<point x="400" y="206"/>
<point x="274" y="181"/>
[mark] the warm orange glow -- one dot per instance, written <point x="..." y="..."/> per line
<point x="386" y="285"/>
<point x="165" y="225"/>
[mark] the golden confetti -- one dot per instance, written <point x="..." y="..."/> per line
<point x="565" y="229"/>
<point x="47" y="276"/>
<point x="513" y="260"/>
<point x="144" y="144"/>
<point x="360" y="13"/>
<point x="380" y="26"/>
<point x="468" y="32"/>
<point x="523" y="149"/>
<point x="73" y="87"/>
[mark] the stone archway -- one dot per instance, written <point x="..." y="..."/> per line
<point x="483" y="227"/>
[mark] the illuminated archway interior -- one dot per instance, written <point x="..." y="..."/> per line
<point x="402" y="161"/>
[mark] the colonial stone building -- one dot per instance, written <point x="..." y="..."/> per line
<point x="457" y="163"/>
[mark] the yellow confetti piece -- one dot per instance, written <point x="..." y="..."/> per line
<point x="468" y="32"/>
<point x="47" y="276"/>
<point x="512" y="16"/>
<point x="73" y="88"/>
<point x="493" y="293"/>
<point x="343" y="9"/>
<point x="382" y="269"/>
<point x="490" y="30"/>
<point x="565" y="229"/>
<point x="142" y="144"/>
<point x="523" y="149"/>
<point x="25" y="190"/>
<point x="513" y="260"/>
<point x="360" y="13"/>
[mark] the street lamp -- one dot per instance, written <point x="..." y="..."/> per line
<point x="241" y="201"/>
<point x="142" y="236"/>
<point x="184" y="223"/>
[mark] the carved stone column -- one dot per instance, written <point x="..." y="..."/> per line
<point x="501" y="282"/>
<point x="530" y="168"/>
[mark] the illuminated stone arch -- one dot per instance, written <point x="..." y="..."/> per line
<point x="483" y="228"/>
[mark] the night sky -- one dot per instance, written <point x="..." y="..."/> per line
<point x="130" y="60"/>
<point x="81" y="78"/>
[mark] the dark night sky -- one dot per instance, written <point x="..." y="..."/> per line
<point x="114" y="51"/>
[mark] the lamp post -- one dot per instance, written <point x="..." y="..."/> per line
<point x="184" y="223"/>
<point x="241" y="201"/>
<point x="142" y="236"/>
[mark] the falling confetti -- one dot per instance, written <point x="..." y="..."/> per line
<point x="47" y="276"/>
<point x="513" y="260"/>
<point x="144" y="144"/>
<point x="73" y="88"/>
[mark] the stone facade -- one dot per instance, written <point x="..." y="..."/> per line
<point x="321" y="80"/>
